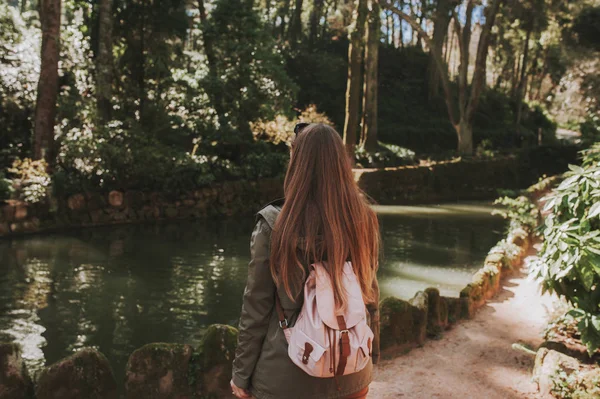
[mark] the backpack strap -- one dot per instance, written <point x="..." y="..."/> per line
<point x="344" y="346"/>
<point x="283" y="322"/>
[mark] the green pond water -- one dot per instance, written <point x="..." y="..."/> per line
<point x="118" y="288"/>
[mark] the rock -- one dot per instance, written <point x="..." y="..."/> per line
<point x="76" y="202"/>
<point x="134" y="199"/>
<point x="8" y="213"/>
<point x="213" y="361"/>
<point x="552" y="366"/>
<point x="437" y="312"/>
<point x="171" y="212"/>
<point x="14" y="379"/>
<point x="86" y="374"/>
<point x="115" y="198"/>
<point x="420" y="310"/>
<point x="158" y="371"/>
<point x="20" y="212"/>
<point x="458" y="308"/>
<point x="398" y="329"/>
<point x="4" y="229"/>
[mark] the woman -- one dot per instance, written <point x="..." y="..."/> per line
<point x="325" y="217"/>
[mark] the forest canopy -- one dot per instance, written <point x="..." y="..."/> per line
<point x="172" y="94"/>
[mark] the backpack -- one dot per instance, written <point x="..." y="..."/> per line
<point x="326" y="342"/>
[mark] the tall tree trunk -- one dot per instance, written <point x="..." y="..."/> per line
<point x="141" y="73"/>
<point x="315" y="17"/>
<point x="104" y="62"/>
<point x="45" y="110"/>
<point x="355" y="59"/>
<point x="400" y="30"/>
<point x="394" y="41"/>
<point x="369" y="121"/>
<point x="441" y="20"/>
<point x="296" y="24"/>
<point x="521" y="86"/>
<point x="479" y="72"/>
<point x="467" y="108"/>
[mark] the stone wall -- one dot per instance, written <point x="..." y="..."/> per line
<point x="440" y="182"/>
<point x="93" y="209"/>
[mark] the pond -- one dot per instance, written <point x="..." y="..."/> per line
<point x="118" y="288"/>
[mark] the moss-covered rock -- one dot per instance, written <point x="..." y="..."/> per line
<point x="458" y="308"/>
<point x="437" y="312"/>
<point x="211" y="365"/>
<point x="14" y="380"/>
<point x="398" y="329"/>
<point x="420" y="306"/>
<point x="86" y="374"/>
<point x="159" y="371"/>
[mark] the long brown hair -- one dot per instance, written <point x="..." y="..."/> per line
<point x="325" y="217"/>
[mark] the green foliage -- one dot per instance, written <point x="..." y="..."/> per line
<point x="587" y="28"/>
<point x="385" y="156"/>
<point x="19" y="63"/>
<point x="252" y="82"/>
<point x="520" y="211"/>
<point x="569" y="262"/>
<point x="31" y="181"/>
<point x="590" y="129"/>
<point x="6" y="188"/>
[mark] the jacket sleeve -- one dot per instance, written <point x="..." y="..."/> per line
<point x="259" y="299"/>
<point x="373" y="309"/>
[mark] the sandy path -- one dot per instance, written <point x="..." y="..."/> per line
<point x="475" y="358"/>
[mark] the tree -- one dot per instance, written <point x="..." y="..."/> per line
<point x="45" y="111"/>
<point x="441" y="21"/>
<point x="468" y="100"/>
<point x="104" y="62"/>
<point x="373" y="35"/>
<point x="355" y="59"/>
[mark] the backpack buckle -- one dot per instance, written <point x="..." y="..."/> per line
<point x="344" y="332"/>
<point x="284" y="324"/>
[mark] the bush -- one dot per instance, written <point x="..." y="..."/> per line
<point x="520" y="211"/>
<point x="569" y="262"/>
<point x="6" y="188"/>
<point x="386" y="155"/>
<point x="31" y="180"/>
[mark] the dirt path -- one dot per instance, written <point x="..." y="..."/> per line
<point x="475" y="358"/>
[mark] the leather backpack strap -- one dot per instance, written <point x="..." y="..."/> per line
<point x="344" y="346"/>
<point x="283" y="322"/>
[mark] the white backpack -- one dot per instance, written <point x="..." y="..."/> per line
<point x="324" y="341"/>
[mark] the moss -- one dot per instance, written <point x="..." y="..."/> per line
<point x="397" y="324"/>
<point x="86" y="374"/>
<point x="159" y="370"/>
<point x="14" y="379"/>
<point x="210" y="368"/>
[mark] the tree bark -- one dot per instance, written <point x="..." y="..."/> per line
<point x="104" y="63"/>
<point x="369" y="121"/>
<point x="467" y="102"/>
<point x="355" y="59"/>
<point x="45" y="110"/>
<point x="521" y="85"/>
<point x="441" y="21"/>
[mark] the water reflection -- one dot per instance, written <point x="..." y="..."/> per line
<point x="118" y="288"/>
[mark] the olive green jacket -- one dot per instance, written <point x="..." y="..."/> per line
<point x="261" y="361"/>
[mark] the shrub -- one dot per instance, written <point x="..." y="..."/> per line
<point x="31" y="180"/>
<point x="520" y="211"/>
<point x="569" y="262"/>
<point x="6" y="188"/>
<point x="385" y="156"/>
